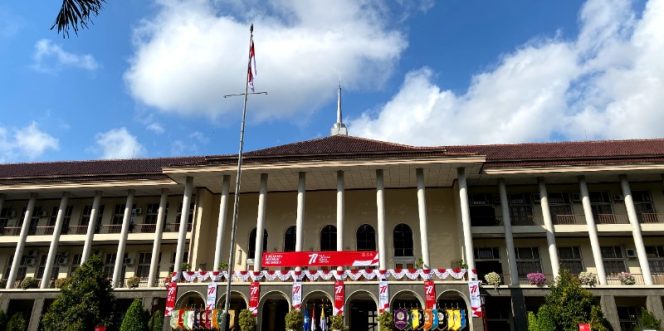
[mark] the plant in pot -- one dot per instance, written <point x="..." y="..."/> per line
<point x="338" y="323"/>
<point x="587" y="278"/>
<point x="185" y="267"/>
<point x="626" y="278"/>
<point x="133" y="281"/>
<point x="247" y="321"/>
<point x="493" y="278"/>
<point x="294" y="320"/>
<point x="60" y="282"/>
<point x="29" y="282"/>
<point x="223" y="266"/>
<point x="386" y="321"/>
<point x="536" y="278"/>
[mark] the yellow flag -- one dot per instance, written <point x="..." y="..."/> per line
<point x="457" y="319"/>
<point x="415" y="318"/>
<point x="450" y="319"/>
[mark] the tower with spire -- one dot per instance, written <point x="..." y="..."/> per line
<point x="339" y="128"/>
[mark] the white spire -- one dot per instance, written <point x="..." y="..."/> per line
<point x="339" y="128"/>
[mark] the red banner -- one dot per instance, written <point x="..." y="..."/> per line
<point x="584" y="327"/>
<point x="171" y="296"/>
<point x="429" y="294"/>
<point x="322" y="259"/>
<point x="339" y="297"/>
<point x="254" y="297"/>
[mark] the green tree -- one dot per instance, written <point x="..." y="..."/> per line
<point x="76" y="14"/>
<point x="136" y="318"/>
<point x="17" y="323"/>
<point x="3" y="320"/>
<point x="84" y="302"/>
<point x="156" y="321"/>
<point x="647" y="321"/>
<point x="247" y="321"/>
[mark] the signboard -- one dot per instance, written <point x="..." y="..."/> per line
<point x="211" y="296"/>
<point x="297" y="295"/>
<point x="429" y="294"/>
<point x="475" y="301"/>
<point x="383" y="296"/>
<point x="339" y="298"/>
<point x="171" y="295"/>
<point x="254" y="297"/>
<point x="321" y="259"/>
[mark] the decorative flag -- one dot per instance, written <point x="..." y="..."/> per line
<point x="457" y="319"/>
<point x="323" y="322"/>
<point x="383" y="296"/>
<point x="181" y="318"/>
<point x="251" y="69"/>
<point x="339" y="298"/>
<point x="189" y="321"/>
<point x="400" y="318"/>
<point x="442" y="321"/>
<point x="211" y="296"/>
<point x="313" y="319"/>
<point x="307" y="320"/>
<point x="231" y="318"/>
<point x="415" y="318"/>
<point x="464" y="321"/>
<point x="297" y="295"/>
<point x="428" y="319"/>
<point x="450" y="318"/>
<point x="254" y="296"/>
<point x="475" y="301"/>
<point x="174" y="321"/>
<point x="435" y="320"/>
<point x="215" y="319"/>
<point x="429" y="294"/>
<point x="171" y="295"/>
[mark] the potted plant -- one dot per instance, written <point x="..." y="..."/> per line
<point x="493" y="278"/>
<point x="338" y="323"/>
<point x="587" y="278"/>
<point x="626" y="278"/>
<point x="29" y="282"/>
<point x="247" y="321"/>
<point x="60" y="282"/>
<point x="185" y="267"/>
<point x="459" y="264"/>
<point x="294" y="320"/>
<point x="223" y="266"/>
<point x="386" y="321"/>
<point x="536" y="278"/>
<point x="133" y="281"/>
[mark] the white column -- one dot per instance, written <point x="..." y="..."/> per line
<point x="299" y="218"/>
<point x="21" y="241"/>
<point x="592" y="231"/>
<point x="92" y="225"/>
<point x="53" y="249"/>
<point x="636" y="231"/>
<point x="184" y="217"/>
<point x="260" y="223"/>
<point x="422" y="212"/>
<point x="550" y="230"/>
<point x="340" y="210"/>
<point x="156" y="245"/>
<point x="221" y="221"/>
<point x="119" y="256"/>
<point x="509" y="238"/>
<point x="380" y="212"/>
<point x="465" y="221"/>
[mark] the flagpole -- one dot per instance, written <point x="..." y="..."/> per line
<point x="236" y="202"/>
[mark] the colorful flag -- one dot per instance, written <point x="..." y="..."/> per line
<point x="434" y="323"/>
<point x="428" y="319"/>
<point x="415" y="318"/>
<point x="251" y="68"/>
<point x="464" y="322"/>
<point x="323" y="322"/>
<point x="313" y="319"/>
<point x="307" y="320"/>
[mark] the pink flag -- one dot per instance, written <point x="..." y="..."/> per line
<point x="251" y="68"/>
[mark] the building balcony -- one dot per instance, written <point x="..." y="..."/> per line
<point x="10" y="230"/>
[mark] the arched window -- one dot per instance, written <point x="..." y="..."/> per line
<point x="328" y="238"/>
<point x="403" y="240"/>
<point x="289" y="239"/>
<point x="252" y="243"/>
<point x="366" y="238"/>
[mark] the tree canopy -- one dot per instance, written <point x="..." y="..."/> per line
<point x="76" y="14"/>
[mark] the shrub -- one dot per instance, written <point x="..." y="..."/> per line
<point x="294" y="320"/>
<point x="493" y="278"/>
<point x="3" y="320"/>
<point x="536" y="278"/>
<point x="136" y="319"/>
<point x="647" y="321"/>
<point x="17" y="323"/>
<point x="532" y="322"/>
<point x="60" y="282"/>
<point x="156" y="321"/>
<point x="133" y="281"/>
<point x="587" y="278"/>
<point x="29" y="282"/>
<point x="338" y="322"/>
<point x="626" y="278"/>
<point x="247" y="321"/>
<point x="386" y="321"/>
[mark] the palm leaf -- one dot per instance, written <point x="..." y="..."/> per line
<point x="75" y="14"/>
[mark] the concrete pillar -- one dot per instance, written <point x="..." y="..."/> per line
<point x="422" y="212"/>
<point x="550" y="230"/>
<point x="592" y="231"/>
<point x="380" y="211"/>
<point x="221" y="221"/>
<point x="18" y="253"/>
<point x="35" y="314"/>
<point x="509" y="238"/>
<point x="340" y="210"/>
<point x="119" y="256"/>
<point x="636" y="231"/>
<point x="92" y="225"/>
<point x="184" y="217"/>
<point x="465" y="221"/>
<point x="654" y="305"/>
<point x="610" y="310"/>
<point x="53" y="249"/>
<point x="299" y="218"/>
<point x="260" y="223"/>
<point x="156" y="245"/>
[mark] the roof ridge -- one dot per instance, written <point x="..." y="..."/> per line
<point x="557" y="142"/>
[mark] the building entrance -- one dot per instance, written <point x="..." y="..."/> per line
<point x="362" y="312"/>
<point x="274" y="309"/>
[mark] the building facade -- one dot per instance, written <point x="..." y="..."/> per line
<point x="594" y="207"/>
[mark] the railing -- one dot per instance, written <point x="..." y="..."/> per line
<point x="44" y="229"/>
<point x="10" y="230"/>
<point x="617" y="279"/>
<point x="144" y="228"/>
<point x="526" y="220"/>
<point x="111" y="228"/>
<point x="658" y="278"/>
<point x="175" y="227"/>
<point x="523" y="279"/>
<point x="78" y="229"/>
<point x="651" y="218"/>
<point x="569" y="219"/>
<point x="611" y="219"/>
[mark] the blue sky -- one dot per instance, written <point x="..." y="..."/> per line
<point x="147" y="79"/>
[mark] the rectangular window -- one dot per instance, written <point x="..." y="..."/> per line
<point x="482" y="210"/>
<point x="487" y="259"/>
<point x="561" y="208"/>
<point x="143" y="269"/>
<point x="151" y="213"/>
<point x="85" y="219"/>
<point x="118" y="214"/>
<point x="527" y="261"/>
<point x="645" y="211"/>
<point x="75" y="263"/>
<point x="602" y="208"/>
<point x="65" y="221"/>
<point x="109" y="264"/>
<point x="613" y="259"/>
<point x="570" y="259"/>
<point x="655" y="259"/>
<point x="521" y="209"/>
<point x="190" y="219"/>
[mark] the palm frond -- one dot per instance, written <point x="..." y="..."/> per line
<point x="75" y="14"/>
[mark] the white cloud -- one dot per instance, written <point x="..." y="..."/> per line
<point x="188" y="56"/>
<point x="26" y="143"/>
<point x="155" y="127"/>
<point x="49" y="57"/>
<point x="607" y="83"/>
<point x="118" y="144"/>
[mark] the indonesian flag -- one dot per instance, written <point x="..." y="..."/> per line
<point x="251" y="68"/>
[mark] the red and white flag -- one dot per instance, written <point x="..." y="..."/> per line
<point x="251" y="68"/>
